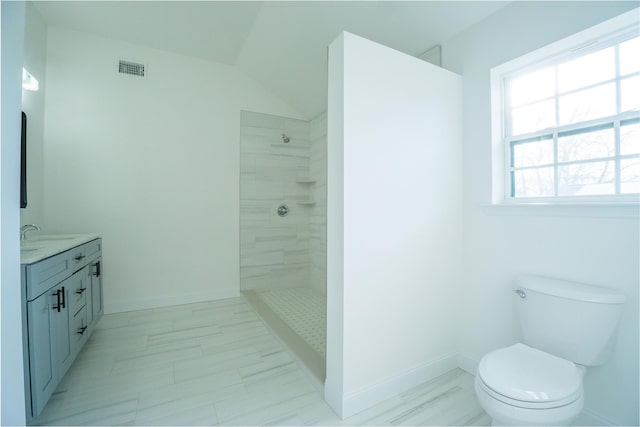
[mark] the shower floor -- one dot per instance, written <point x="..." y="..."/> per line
<point x="298" y="316"/>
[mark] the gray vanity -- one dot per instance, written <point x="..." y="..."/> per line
<point x="62" y="302"/>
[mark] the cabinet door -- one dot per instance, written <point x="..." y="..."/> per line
<point x="41" y="348"/>
<point x="89" y="307"/>
<point x="96" y="289"/>
<point x="60" y="331"/>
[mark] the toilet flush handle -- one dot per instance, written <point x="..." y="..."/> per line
<point x="520" y="293"/>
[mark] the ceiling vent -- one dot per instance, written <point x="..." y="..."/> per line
<point x="131" y="68"/>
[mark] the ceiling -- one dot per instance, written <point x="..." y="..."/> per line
<point x="280" y="44"/>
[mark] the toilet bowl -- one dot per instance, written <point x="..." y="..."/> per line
<point x="566" y="327"/>
<point x="520" y="385"/>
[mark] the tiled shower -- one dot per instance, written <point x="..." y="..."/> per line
<point x="283" y="211"/>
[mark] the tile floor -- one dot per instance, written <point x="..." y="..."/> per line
<point x="216" y="363"/>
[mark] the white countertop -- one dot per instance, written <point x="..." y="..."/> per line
<point x="37" y="247"/>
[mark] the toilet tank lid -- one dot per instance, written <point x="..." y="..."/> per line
<point x="570" y="290"/>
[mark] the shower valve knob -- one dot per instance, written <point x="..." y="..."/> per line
<point x="283" y="210"/>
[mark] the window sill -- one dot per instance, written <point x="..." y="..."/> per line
<point x="584" y="209"/>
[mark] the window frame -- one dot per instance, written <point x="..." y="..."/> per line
<point x="601" y="36"/>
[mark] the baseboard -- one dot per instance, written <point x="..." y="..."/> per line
<point x="333" y="397"/>
<point x="362" y="399"/>
<point x="167" y="301"/>
<point x="588" y="418"/>
<point x="467" y="363"/>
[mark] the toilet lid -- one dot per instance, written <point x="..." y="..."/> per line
<point x="523" y="373"/>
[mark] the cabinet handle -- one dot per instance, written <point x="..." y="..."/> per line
<point x="58" y="305"/>
<point x="81" y="330"/>
<point x="79" y="257"/>
<point x="81" y="291"/>
<point x="97" y="266"/>
<point x="64" y="299"/>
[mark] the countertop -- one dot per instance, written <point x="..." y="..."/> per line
<point x="37" y="247"/>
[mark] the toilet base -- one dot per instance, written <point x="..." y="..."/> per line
<point x="503" y="414"/>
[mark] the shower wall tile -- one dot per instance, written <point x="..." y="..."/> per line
<point x="274" y="251"/>
<point x="273" y="277"/>
<point x="318" y="214"/>
<point x="259" y="120"/>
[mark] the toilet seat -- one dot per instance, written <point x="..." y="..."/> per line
<point x="525" y="377"/>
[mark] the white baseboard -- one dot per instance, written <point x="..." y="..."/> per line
<point x="467" y="363"/>
<point x="333" y="397"/>
<point x="588" y="418"/>
<point x="367" y="397"/>
<point x="167" y="301"/>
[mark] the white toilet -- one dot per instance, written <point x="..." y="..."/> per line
<point x="566" y="326"/>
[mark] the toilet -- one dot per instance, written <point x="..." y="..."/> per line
<point x="566" y="327"/>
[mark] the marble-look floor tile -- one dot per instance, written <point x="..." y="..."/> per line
<point x="228" y="360"/>
<point x="197" y="409"/>
<point x="216" y="363"/>
<point x="109" y="414"/>
<point x="175" y="392"/>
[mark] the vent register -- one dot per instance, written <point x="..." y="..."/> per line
<point x="131" y="68"/>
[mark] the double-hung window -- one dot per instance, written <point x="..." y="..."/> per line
<point x="570" y="123"/>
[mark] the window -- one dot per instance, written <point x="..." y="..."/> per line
<point x="569" y="121"/>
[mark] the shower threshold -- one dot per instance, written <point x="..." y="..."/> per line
<point x="311" y="351"/>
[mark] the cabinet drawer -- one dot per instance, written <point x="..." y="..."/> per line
<point x="93" y="249"/>
<point x="77" y="257"/>
<point x="47" y="273"/>
<point x="79" y="331"/>
<point x="78" y="285"/>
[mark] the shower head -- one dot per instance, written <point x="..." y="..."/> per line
<point x="285" y="138"/>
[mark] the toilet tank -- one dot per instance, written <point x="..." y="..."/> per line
<point x="571" y="320"/>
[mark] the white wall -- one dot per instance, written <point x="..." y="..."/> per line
<point x="12" y="17"/>
<point x="35" y="56"/>
<point x="394" y="222"/>
<point x="152" y="164"/>
<point x="573" y="243"/>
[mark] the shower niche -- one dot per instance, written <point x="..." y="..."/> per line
<point x="283" y="187"/>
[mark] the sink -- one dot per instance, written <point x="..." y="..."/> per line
<point x="43" y="239"/>
<point x="38" y="247"/>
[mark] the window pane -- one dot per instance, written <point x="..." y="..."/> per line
<point x="630" y="91"/>
<point x="587" y="70"/>
<point x="585" y="179"/>
<point x="532" y="87"/>
<point x="630" y="56"/>
<point x="630" y="176"/>
<point x="588" y="104"/>
<point x="533" y="182"/>
<point x="588" y="145"/>
<point x="533" y="153"/>
<point x="531" y="118"/>
<point x="630" y="139"/>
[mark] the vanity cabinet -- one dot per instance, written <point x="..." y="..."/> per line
<point x="63" y="302"/>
